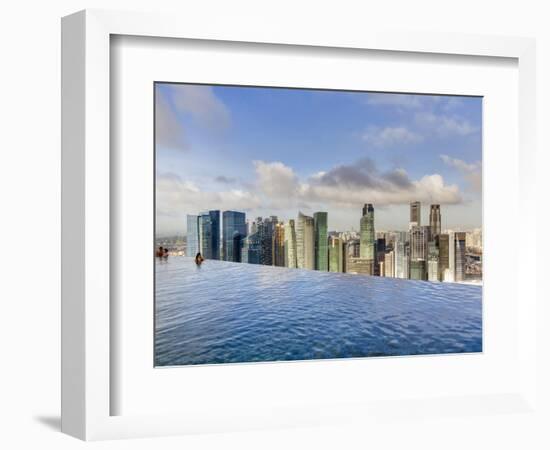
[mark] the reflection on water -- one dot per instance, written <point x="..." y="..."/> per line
<point x="228" y="312"/>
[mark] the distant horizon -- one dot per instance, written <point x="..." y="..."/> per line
<point x="267" y="151"/>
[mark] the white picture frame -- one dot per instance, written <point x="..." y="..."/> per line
<point x="87" y="356"/>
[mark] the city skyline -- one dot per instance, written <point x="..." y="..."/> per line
<point x="424" y="252"/>
<point x="265" y="151"/>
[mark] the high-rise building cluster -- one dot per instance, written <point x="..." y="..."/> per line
<point x="423" y="252"/>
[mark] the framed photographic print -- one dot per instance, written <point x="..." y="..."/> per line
<point x="267" y="228"/>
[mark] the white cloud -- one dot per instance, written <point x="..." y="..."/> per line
<point x="390" y="136"/>
<point x="176" y="197"/>
<point x="352" y="185"/>
<point x="278" y="188"/>
<point x="444" y="126"/>
<point x="470" y="171"/>
<point x="275" y="179"/>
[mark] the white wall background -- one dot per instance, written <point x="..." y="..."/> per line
<point x="30" y="198"/>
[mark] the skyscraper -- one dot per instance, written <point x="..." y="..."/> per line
<point x="401" y="260"/>
<point x="389" y="264"/>
<point x="460" y="256"/>
<point x="433" y="261"/>
<point x="449" y="273"/>
<point x="279" y="245"/>
<point x="435" y="221"/>
<point x="320" y="220"/>
<point x="192" y="235"/>
<point x="266" y="227"/>
<point x="233" y="233"/>
<point x="336" y="254"/>
<point x="418" y="252"/>
<point x="415" y="214"/>
<point x="209" y="234"/>
<point x="305" y="242"/>
<point x="442" y="242"/>
<point x="419" y="242"/>
<point x="290" y="244"/>
<point x="367" y="242"/>
<point x="251" y="249"/>
<point x="380" y="256"/>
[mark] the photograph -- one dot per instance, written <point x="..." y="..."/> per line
<point x="296" y="224"/>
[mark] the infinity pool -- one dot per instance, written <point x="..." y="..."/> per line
<point x="225" y="312"/>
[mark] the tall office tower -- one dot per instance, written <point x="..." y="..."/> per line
<point x="336" y="254"/>
<point x="252" y="249"/>
<point x="290" y="245"/>
<point x="435" y="221"/>
<point x="305" y="242"/>
<point x="415" y="215"/>
<point x="460" y="256"/>
<point x="279" y="245"/>
<point x="418" y="252"/>
<point x="389" y="264"/>
<point x="449" y="273"/>
<point x="433" y="261"/>
<point x="266" y="227"/>
<point x="253" y="228"/>
<point x="367" y="242"/>
<point x="407" y="260"/>
<point x="401" y="262"/>
<point x="192" y="235"/>
<point x="380" y="256"/>
<point x="419" y="242"/>
<point x="233" y="233"/>
<point x="209" y="234"/>
<point x="320" y="220"/>
<point x="345" y="253"/>
<point x="442" y="242"/>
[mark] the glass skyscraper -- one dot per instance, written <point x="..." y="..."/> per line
<point x="367" y="242"/>
<point x="460" y="256"/>
<point x="290" y="245"/>
<point x="320" y="220"/>
<point x="443" y="246"/>
<point x="415" y="214"/>
<point x="435" y="221"/>
<point x="279" y="245"/>
<point x="233" y="234"/>
<point x="305" y="242"/>
<point x="251" y="249"/>
<point x="433" y="261"/>
<point x="192" y="235"/>
<point x="401" y="260"/>
<point x="209" y="234"/>
<point x="336" y="254"/>
<point x="265" y="228"/>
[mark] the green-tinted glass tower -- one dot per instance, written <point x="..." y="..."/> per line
<point x="367" y="241"/>
<point x="320" y="220"/>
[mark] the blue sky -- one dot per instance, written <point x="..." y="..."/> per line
<point x="272" y="151"/>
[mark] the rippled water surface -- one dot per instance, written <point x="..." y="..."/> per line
<point x="228" y="312"/>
